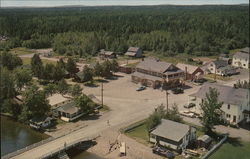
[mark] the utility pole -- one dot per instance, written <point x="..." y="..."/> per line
<point x="102" y="92"/>
<point x="167" y="99"/>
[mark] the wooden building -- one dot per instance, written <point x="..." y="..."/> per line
<point x="154" y="73"/>
<point x="134" y="52"/>
<point x="191" y="72"/>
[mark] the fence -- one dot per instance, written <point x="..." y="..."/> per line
<point x="215" y="147"/>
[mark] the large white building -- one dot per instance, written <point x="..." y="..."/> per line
<point x="172" y="134"/>
<point x="235" y="106"/>
<point x="241" y="58"/>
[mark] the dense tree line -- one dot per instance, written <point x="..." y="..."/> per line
<point x="198" y="30"/>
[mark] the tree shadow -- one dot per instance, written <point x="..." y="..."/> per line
<point x="234" y="141"/>
<point x="102" y="80"/>
<point x="91" y="84"/>
<point x="186" y="87"/>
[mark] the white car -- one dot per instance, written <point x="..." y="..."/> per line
<point x="141" y="88"/>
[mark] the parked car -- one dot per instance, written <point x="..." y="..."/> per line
<point x="190" y="105"/>
<point x="187" y="114"/>
<point x="177" y="90"/>
<point x="141" y="88"/>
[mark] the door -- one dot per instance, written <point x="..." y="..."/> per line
<point x="234" y="119"/>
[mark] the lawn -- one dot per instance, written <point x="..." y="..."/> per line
<point x="232" y="149"/>
<point x="139" y="133"/>
<point x="21" y="51"/>
<point x="26" y="61"/>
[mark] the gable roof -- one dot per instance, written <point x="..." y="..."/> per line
<point x="69" y="108"/>
<point x="171" y="130"/>
<point x="241" y="55"/>
<point x="220" y="63"/>
<point x="245" y="50"/>
<point x="153" y="64"/>
<point x="190" y="68"/>
<point x="130" y="54"/>
<point x="133" y="49"/>
<point x="107" y="53"/>
<point x="227" y="94"/>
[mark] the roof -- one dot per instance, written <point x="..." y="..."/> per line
<point x="130" y="54"/>
<point x="241" y="55"/>
<point x="220" y="63"/>
<point x="80" y="75"/>
<point x="133" y="49"/>
<point x="155" y="65"/>
<point x="228" y="67"/>
<point x="227" y="94"/>
<point x="190" y="68"/>
<point x="108" y="53"/>
<point x="146" y="76"/>
<point x="171" y="130"/>
<point x="68" y="108"/>
<point x="246" y="50"/>
<point x="205" y="138"/>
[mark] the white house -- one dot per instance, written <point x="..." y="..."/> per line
<point x="40" y="122"/>
<point x="174" y="135"/>
<point x="241" y="59"/>
<point x="235" y="106"/>
<point x="221" y="67"/>
<point x="68" y="111"/>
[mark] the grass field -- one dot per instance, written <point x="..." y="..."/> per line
<point x="26" y="61"/>
<point x="232" y="149"/>
<point x="21" y="51"/>
<point x="139" y="133"/>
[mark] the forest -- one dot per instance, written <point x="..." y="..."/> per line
<point x="166" y="30"/>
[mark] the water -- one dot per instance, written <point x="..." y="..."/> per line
<point x="15" y="136"/>
<point x="52" y="3"/>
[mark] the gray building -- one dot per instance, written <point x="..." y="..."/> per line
<point x="172" y="134"/>
<point x="134" y="52"/>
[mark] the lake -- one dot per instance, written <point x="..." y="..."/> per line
<point x="15" y="135"/>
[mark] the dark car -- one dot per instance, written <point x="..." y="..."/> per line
<point x="177" y="90"/>
<point x="163" y="152"/>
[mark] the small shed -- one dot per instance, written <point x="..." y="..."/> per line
<point x="40" y="122"/>
<point x="107" y="54"/>
<point x="204" y="141"/>
<point x="134" y="52"/>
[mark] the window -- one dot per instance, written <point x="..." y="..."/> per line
<point x="244" y="64"/>
<point x="228" y="106"/>
<point x="228" y="116"/>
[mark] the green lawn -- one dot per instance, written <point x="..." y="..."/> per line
<point x="139" y="133"/>
<point x="232" y="149"/>
<point x="21" y="51"/>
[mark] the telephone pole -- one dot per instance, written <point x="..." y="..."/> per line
<point x="102" y="92"/>
<point x="167" y="99"/>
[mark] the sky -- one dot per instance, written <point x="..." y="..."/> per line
<point x="52" y="3"/>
